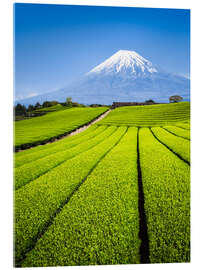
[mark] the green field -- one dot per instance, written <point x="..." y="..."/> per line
<point x="116" y="193"/>
<point x="53" y="108"/>
<point x="150" y="115"/>
<point x="40" y="129"/>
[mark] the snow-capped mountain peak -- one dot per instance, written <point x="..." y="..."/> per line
<point x="125" y="76"/>
<point x="123" y="62"/>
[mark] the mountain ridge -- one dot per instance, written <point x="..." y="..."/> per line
<point x="125" y="76"/>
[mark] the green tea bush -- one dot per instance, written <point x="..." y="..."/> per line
<point x="36" y="202"/>
<point x="100" y="224"/>
<point x="31" y="171"/>
<point x="179" y="131"/>
<point x="53" y="108"/>
<point x="183" y="125"/>
<point x="178" y="145"/>
<point x="42" y="128"/>
<point x="148" y="115"/>
<point x="27" y="156"/>
<point x="166" y="184"/>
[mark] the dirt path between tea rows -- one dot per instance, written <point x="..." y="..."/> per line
<point x="87" y="126"/>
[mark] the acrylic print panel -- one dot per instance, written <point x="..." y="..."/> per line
<point x="102" y="135"/>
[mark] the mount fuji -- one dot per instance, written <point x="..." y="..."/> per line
<point x="125" y="76"/>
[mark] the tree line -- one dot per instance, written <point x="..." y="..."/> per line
<point x="32" y="110"/>
<point x="21" y="109"/>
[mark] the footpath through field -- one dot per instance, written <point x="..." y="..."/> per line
<point x="90" y="124"/>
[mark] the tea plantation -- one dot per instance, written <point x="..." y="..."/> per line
<point x="116" y="193"/>
<point x="41" y="129"/>
<point x="150" y="115"/>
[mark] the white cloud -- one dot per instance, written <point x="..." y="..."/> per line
<point x="21" y="96"/>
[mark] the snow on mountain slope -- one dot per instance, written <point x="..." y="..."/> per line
<point x="125" y="62"/>
<point x="125" y="76"/>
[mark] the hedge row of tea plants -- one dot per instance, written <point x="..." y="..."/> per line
<point x="148" y="115"/>
<point x="39" y="200"/>
<point x="54" y="108"/>
<point x="43" y="128"/>
<point x="28" y="156"/>
<point x="178" y="131"/>
<point x="183" y="125"/>
<point x="100" y="224"/>
<point x="33" y="170"/>
<point x="166" y="184"/>
<point x="178" y="145"/>
<point x="49" y="146"/>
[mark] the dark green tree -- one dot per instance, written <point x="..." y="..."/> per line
<point x="46" y="104"/>
<point x="49" y="103"/>
<point x="37" y="106"/>
<point x="20" y="109"/>
<point x="150" y="101"/>
<point x="30" y="108"/>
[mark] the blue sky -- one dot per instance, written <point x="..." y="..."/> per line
<point x="55" y="44"/>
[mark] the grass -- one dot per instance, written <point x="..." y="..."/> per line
<point x="166" y="184"/>
<point x="39" y="129"/>
<point x="148" y="115"/>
